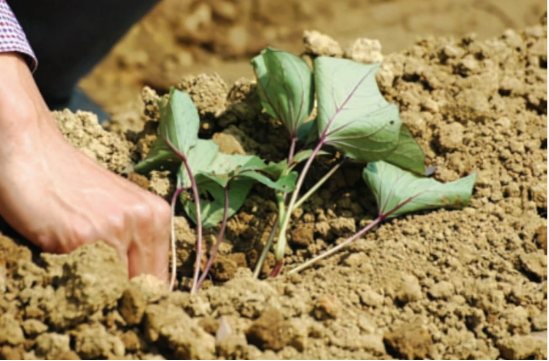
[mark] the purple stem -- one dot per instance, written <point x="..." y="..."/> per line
<point x="174" y="256"/>
<point x="263" y="256"/>
<point x="380" y="218"/>
<point x="344" y="244"/>
<point x="196" y="197"/>
<point x="292" y="150"/>
<point x="282" y="235"/>
<point x="277" y="269"/>
<point x="213" y="252"/>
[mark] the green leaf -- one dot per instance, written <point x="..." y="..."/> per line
<point x="179" y="121"/>
<point x="199" y="159"/>
<point x="227" y="168"/>
<point x="398" y="191"/>
<point x="283" y="184"/>
<point x="308" y="132"/>
<point x="408" y="154"/>
<point x="363" y="124"/>
<point x="237" y="172"/>
<point x="303" y="155"/>
<point x="160" y="156"/>
<point x="212" y="206"/>
<point x="276" y="170"/>
<point x="285" y="85"/>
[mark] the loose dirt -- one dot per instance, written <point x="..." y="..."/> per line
<point x="204" y="36"/>
<point x="467" y="284"/>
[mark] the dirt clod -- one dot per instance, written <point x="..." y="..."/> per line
<point x="171" y="327"/>
<point x="365" y="51"/>
<point x="270" y="331"/>
<point x="321" y="44"/>
<point x="52" y="346"/>
<point x="233" y="347"/>
<point x="11" y="330"/>
<point x="224" y="268"/>
<point x="541" y="238"/>
<point x="92" y="342"/>
<point x="411" y="341"/>
<point x="83" y="131"/>
<point x="442" y="289"/>
<point x="326" y="307"/>
<point x="33" y="327"/>
<point x="132" y="305"/>
<point x="522" y="348"/>
<point x="208" y="92"/>
<point x="81" y="289"/>
<point x="302" y="236"/>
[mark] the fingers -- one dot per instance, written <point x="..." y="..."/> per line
<point x="149" y="250"/>
<point x="151" y="259"/>
<point x="161" y="240"/>
<point x="123" y="256"/>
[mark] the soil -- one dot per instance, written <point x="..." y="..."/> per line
<point x="184" y="37"/>
<point x="459" y="284"/>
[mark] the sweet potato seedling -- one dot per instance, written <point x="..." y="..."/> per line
<point x="352" y="118"/>
<point x="224" y="180"/>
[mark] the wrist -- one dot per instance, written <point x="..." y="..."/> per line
<point x="24" y="115"/>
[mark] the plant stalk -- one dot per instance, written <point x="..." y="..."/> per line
<point x="196" y="197"/>
<point x="344" y="244"/>
<point x="281" y="206"/>
<point x="265" y="251"/>
<point x="220" y="236"/>
<point x="380" y="218"/>
<point x="259" y="265"/>
<point x="173" y="240"/>
<point x="298" y="204"/>
<point x="318" y="184"/>
<point x="277" y="269"/>
<point x="281" y="244"/>
<point x="292" y="149"/>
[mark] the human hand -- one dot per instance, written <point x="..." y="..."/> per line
<point x="59" y="198"/>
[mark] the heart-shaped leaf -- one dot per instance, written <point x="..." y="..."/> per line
<point x="303" y="155"/>
<point x="179" y="123"/>
<point x="159" y="157"/>
<point x="213" y="171"/>
<point x="408" y="154"/>
<point x="308" y="132"/>
<point x="362" y="124"/>
<point x="398" y="191"/>
<point x="285" y="85"/>
<point x="199" y="158"/>
<point x="283" y="184"/>
<point x="213" y="203"/>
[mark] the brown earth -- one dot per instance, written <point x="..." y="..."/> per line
<point x="468" y="283"/>
<point x="184" y="37"/>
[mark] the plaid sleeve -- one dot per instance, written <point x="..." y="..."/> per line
<point x="12" y="37"/>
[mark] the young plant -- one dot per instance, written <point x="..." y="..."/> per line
<point x="285" y="86"/>
<point x="352" y="117"/>
<point x="224" y="180"/>
<point x="231" y="179"/>
<point x="175" y="139"/>
<point x="398" y="192"/>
